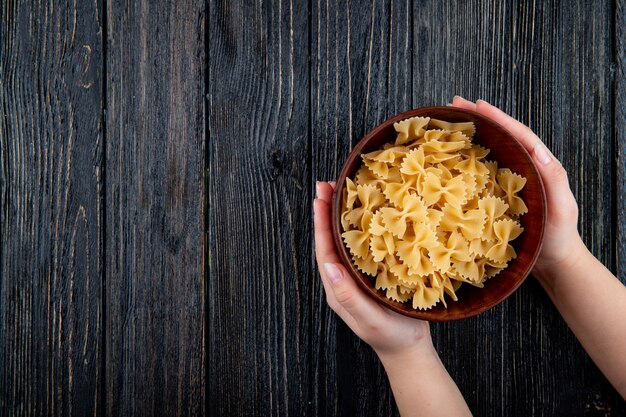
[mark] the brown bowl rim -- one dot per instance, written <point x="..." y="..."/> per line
<point x="360" y="278"/>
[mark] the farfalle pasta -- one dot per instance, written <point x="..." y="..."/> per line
<point x="428" y="212"/>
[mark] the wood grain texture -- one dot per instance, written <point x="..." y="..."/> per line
<point x="259" y="209"/>
<point x="548" y="64"/>
<point x="219" y="118"/>
<point x="361" y="70"/>
<point x="619" y="76"/>
<point x="50" y="212"/>
<point x="155" y="76"/>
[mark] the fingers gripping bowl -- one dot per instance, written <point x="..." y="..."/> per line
<point x="508" y="153"/>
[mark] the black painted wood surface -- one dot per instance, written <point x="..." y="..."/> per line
<point x="361" y="75"/>
<point x="158" y="164"/>
<point x="619" y="70"/>
<point x="154" y="204"/>
<point x="51" y="252"/>
<point x="259" y="210"/>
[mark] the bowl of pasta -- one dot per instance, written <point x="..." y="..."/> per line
<point x="439" y="213"/>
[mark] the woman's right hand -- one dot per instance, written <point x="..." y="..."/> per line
<point x="392" y="335"/>
<point x="562" y="244"/>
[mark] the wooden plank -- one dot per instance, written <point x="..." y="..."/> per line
<point x="361" y="71"/>
<point x="548" y="64"/>
<point x="155" y="355"/>
<point x="620" y="133"/>
<point x="259" y="205"/>
<point x="50" y="211"/>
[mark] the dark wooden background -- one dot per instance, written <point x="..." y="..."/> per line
<point x="158" y="164"/>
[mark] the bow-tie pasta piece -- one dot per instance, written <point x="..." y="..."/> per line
<point x="480" y="247"/>
<point x="413" y="210"/>
<point x="383" y="165"/>
<point x="426" y="213"/>
<point x="470" y="223"/>
<point x="472" y="162"/>
<point x="351" y="193"/>
<point x="473" y="270"/>
<point x="493" y="268"/>
<point x="358" y="240"/>
<point x="425" y="297"/>
<point x="444" y="141"/>
<point x="369" y="198"/>
<point x="466" y="128"/>
<point x="436" y="152"/>
<point x="395" y="191"/>
<point x="396" y="294"/>
<point x="368" y="265"/>
<point x="382" y="242"/>
<point x="505" y="231"/>
<point x="406" y="276"/>
<point x="413" y="249"/>
<point x="434" y="218"/>
<point x="364" y="176"/>
<point x="444" y="285"/>
<point x="478" y="270"/>
<point x="494" y="208"/>
<point x="382" y="245"/>
<point x="389" y="156"/>
<point x="433" y="190"/>
<point x="446" y="174"/>
<point x="491" y="184"/>
<point x="349" y="196"/>
<point x="512" y="184"/>
<point x="410" y="129"/>
<point x="415" y="164"/>
<point x="377" y="228"/>
<point x="471" y="186"/>
<point x="385" y="279"/>
<point x="379" y="168"/>
<point x="454" y="248"/>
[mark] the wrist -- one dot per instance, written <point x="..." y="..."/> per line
<point x="548" y="272"/>
<point x="391" y="359"/>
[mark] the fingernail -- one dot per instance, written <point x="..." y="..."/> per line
<point x="317" y="189"/>
<point x="333" y="273"/>
<point x="315" y="208"/>
<point x="449" y="104"/>
<point x="484" y="101"/>
<point x="542" y="153"/>
<point x="455" y="97"/>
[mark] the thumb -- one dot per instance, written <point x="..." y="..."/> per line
<point x="348" y="294"/>
<point x="555" y="181"/>
<point x="559" y="196"/>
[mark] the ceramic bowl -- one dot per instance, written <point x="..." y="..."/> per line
<point x="509" y="153"/>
